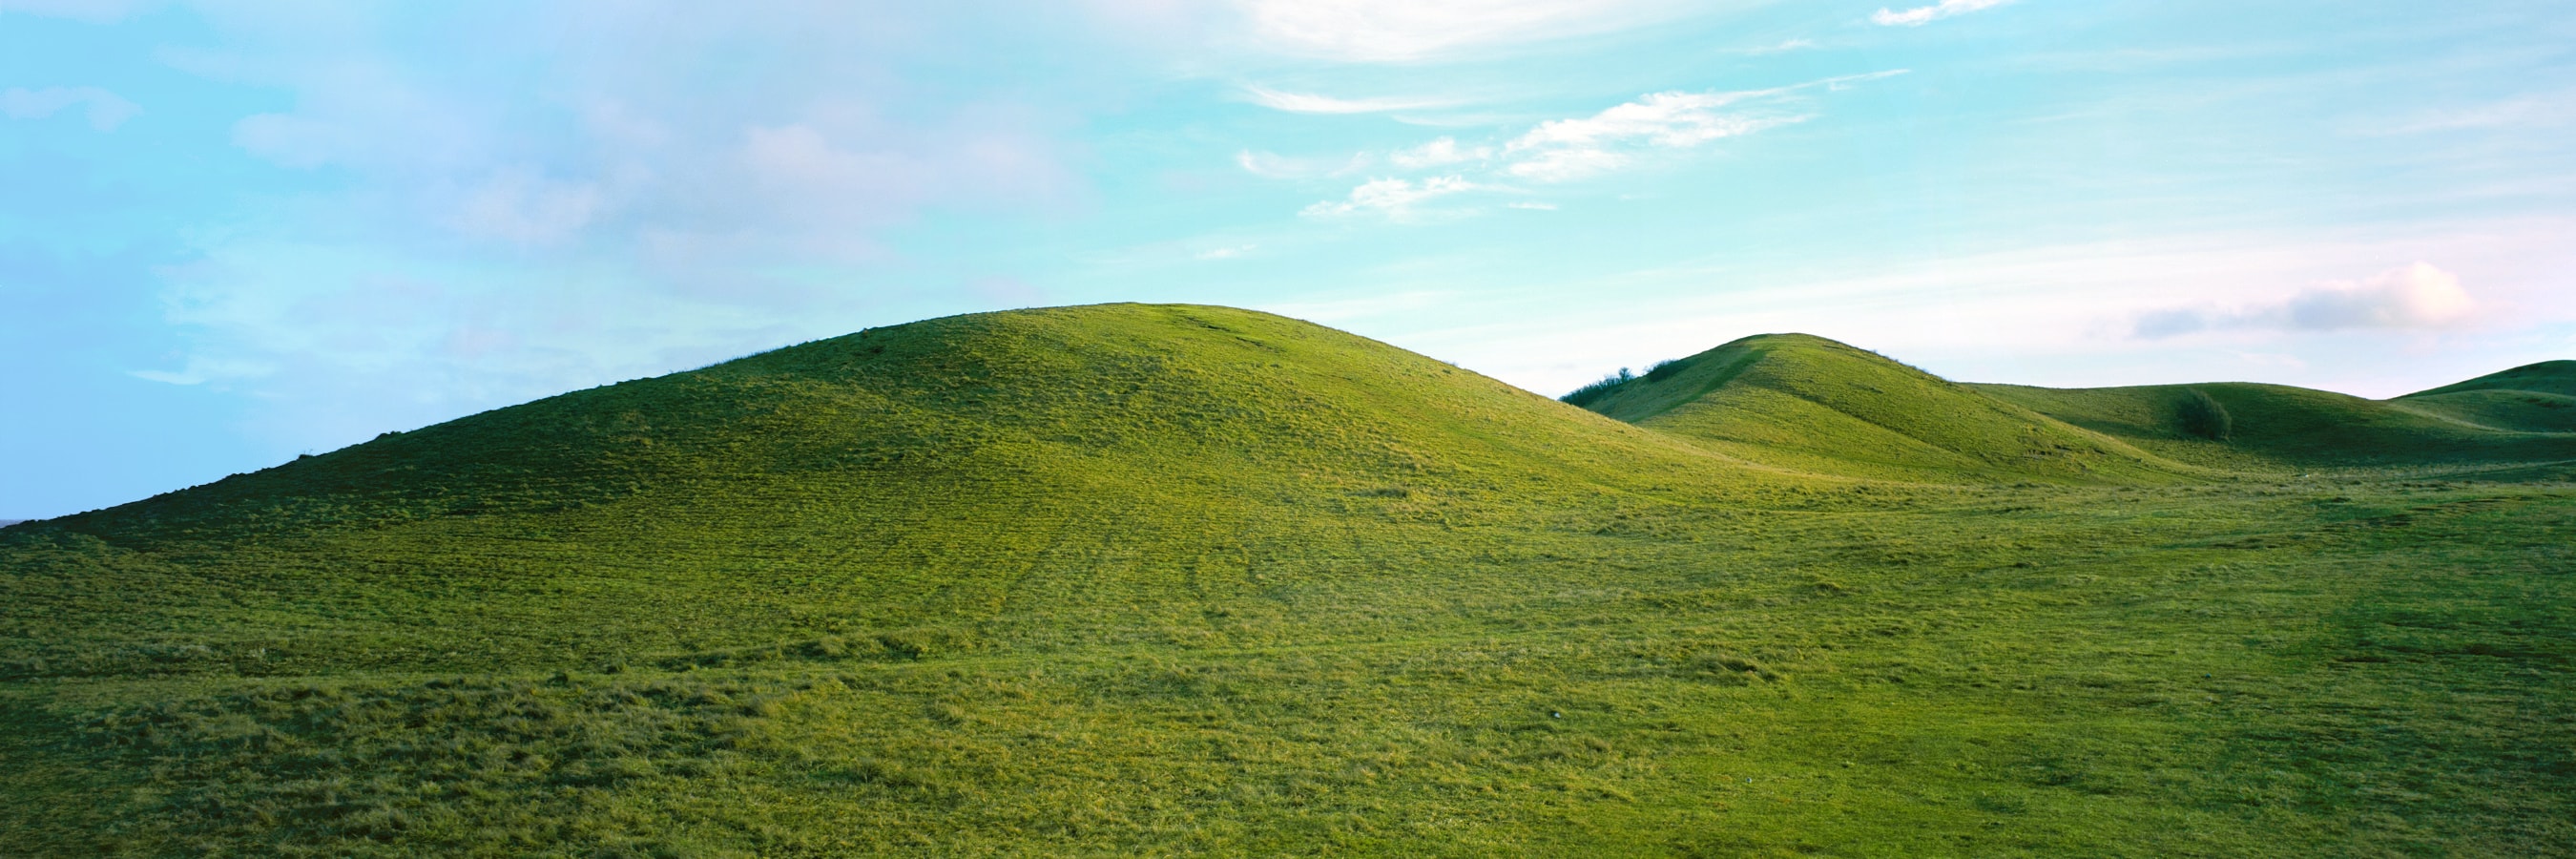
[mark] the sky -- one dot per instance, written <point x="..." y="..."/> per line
<point x="235" y="232"/>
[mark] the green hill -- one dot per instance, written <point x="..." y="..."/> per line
<point x="2280" y="427"/>
<point x="1166" y="580"/>
<point x="2511" y="411"/>
<point x="1814" y="404"/>
<point x="2546" y="377"/>
<point x="2532" y="398"/>
<point x="981" y="471"/>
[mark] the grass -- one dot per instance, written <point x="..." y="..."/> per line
<point x="1162" y="580"/>
<point x="1825" y="407"/>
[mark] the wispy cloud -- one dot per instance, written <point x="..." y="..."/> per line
<point x="106" y="109"/>
<point x="1562" y="149"/>
<point x="1436" y="153"/>
<point x="2417" y="296"/>
<point x="1921" y="15"/>
<point x="1296" y="102"/>
<point x="1225" y="252"/>
<point x="653" y="218"/>
<point x="1781" y="47"/>
<point x="1556" y="150"/>
<point x="1391" y="198"/>
<point x="2049" y="314"/>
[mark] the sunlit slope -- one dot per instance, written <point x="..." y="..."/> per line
<point x="2531" y="398"/>
<point x="2546" y="377"/>
<point x="1814" y="404"/>
<point x="2513" y="411"/>
<point x="1071" y="475"/>
<point x="2276" y="426"/>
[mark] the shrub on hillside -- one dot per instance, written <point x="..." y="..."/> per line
<point x="2204" y="417"/>
<point x="1587" y="394"/>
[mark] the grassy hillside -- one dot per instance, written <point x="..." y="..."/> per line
<point x="1161" y="580"/>
<point x="976" y="476"/>
<point x="2532" y="398"/>
<point x="2546" y="377"/>
<point x="1814" y="404"/>
<point x="2278" y="427"/>
<point x="2510" y="411"/>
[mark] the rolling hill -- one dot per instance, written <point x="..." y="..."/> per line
<point x="2277" y="427"/>
<point x="959" y="472"/>
<point x="1163" y="579"/>
<point x="2533" y="398"/>
<point x="1824" y="406"/>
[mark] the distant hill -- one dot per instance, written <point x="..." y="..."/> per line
<point x="2276" y="426"/>
<point x="2546" y="377"/>
<point x="1815" y="404"/>
<point x="2532" y="398"/>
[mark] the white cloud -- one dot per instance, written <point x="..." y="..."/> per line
<point x="2058" y="315"/>
<point x="1294" y="102"/>
<point x="2417" y="296"/>
<point x="1536" y="207"/>
<point x="1921" y="15"/>
<point x="1781" y="47"/>
<point x="106" y="109"/>
<point x="1393" y="198"/>
<point x="518" y="216"/>
<point x="1225" y="252"/>
<point x="1563" y="149"/>
<point x="1380" y="31"/>
<point x="1443" y="151"/>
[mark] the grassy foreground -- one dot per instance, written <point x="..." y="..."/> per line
<point x="1179" y="580"/>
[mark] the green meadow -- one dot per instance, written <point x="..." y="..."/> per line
<point x="1148" y="580"/>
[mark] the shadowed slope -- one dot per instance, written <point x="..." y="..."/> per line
<point x="1810" y="403"/>
<point x="1090" y="472"/>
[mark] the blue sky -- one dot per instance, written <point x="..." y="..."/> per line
<point x="235" y="232"/>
